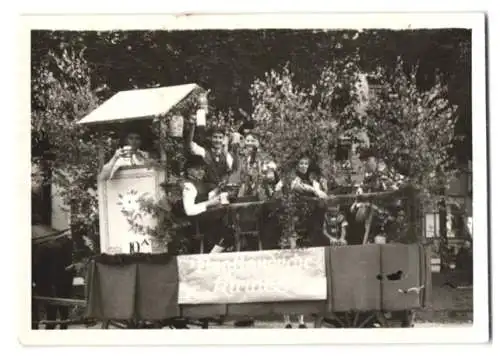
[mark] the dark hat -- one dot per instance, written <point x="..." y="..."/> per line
<point x="246" y="127"/>
<point x="194" y="161"/>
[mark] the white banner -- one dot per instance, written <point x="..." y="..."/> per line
<point x="256" y="276"/>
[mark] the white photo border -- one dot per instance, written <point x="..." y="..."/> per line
<point x="478" y="332"/>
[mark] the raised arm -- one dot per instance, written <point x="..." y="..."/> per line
<point x="193" y="147"/>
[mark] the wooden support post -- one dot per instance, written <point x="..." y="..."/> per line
<point x="368" y="225"/>
<point x="237" y="234"/>
<point x="101" y="151"/>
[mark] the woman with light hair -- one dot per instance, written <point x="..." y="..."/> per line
<point x="271" y="185"/>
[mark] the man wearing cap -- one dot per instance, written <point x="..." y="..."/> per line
<point x="197" y="198"/>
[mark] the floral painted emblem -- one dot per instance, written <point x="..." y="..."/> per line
<point x="130" y="205"/>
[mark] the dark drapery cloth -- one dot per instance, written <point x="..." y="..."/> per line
<point x="143" y="288"/>
<point x="359" y="278"/>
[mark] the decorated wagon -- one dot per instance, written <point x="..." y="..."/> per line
<point x="366" y="285"/>
<point x="138" y="281"/>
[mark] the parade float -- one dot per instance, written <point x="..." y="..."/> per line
<point x="137" y="282"/>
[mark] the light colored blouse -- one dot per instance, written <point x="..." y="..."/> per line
<point x="139" y="158"/>
<point x="299" y="185"/>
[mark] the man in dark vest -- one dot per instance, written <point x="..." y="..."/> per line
<point x="219" y="162"/>
<point x="198" y="197"/>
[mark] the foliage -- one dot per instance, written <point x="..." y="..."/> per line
<point x="306" y="120"/>
<point x="227" y="62"/>
<point x="61" y="93"/>
<point x="294" y="121"/>
<point x="316" y="87"/>
<point x="412" y="130"/>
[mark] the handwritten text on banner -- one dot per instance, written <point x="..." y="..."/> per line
<point x="258" y="276"/>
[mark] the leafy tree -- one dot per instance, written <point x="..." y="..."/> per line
<point x="412" y="130"/>
<point x="229" y="61"/>
<point x="294" y="121"/>
<point x="62" y="93"/>
<point x="315" y="93"/>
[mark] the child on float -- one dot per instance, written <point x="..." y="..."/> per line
<point x="335" y="226"/>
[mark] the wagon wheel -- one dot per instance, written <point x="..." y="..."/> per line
<point x="374" y="319"/>
<point x="181" y="323"/>
<point x="185" y="323"/>
<point x="106" y="324"/>
<point x="351" y="319"/>
<point x="124" y="324"/>
<point x="404" y="319"/>
<point x="408" y="320"/>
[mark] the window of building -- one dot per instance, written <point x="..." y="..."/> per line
<point x="374" y="90"/>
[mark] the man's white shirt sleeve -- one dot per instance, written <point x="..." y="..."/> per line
<point x="198" y="150"/>
<point x="189" y="194"/>
<point x="229" y="160"/>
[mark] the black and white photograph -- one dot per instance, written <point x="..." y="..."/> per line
<point x="251" y="174"/>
